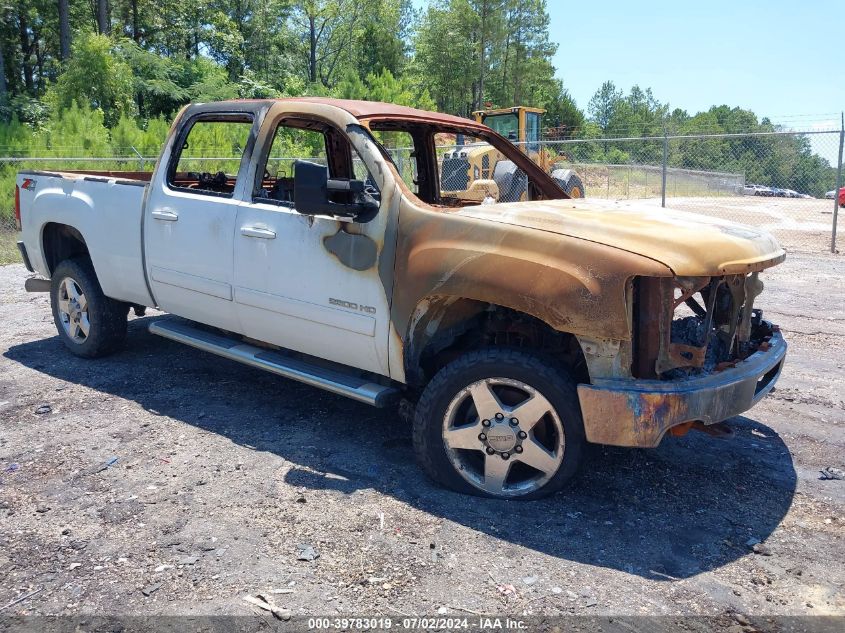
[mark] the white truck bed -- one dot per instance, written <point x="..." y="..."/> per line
<point x="106" y="209"/>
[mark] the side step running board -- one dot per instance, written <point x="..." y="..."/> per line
<point x="341" y="383"/>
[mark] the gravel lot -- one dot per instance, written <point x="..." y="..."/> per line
<point x="165" y="471"/>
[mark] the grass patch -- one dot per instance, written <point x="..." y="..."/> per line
<point x="8" y="248"/>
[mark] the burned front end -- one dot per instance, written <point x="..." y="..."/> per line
<point x="692" y="326"/>
<point x="700" y="353"/>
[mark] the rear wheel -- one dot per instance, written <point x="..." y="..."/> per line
<point x="500" y="423"/>
<point x="89" y="323"/>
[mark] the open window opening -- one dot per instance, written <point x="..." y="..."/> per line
<point x="298" y="139"/>
<point x="447" y="166"/>
<point x="208" y="154"/>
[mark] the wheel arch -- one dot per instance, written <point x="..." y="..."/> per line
<point x="443" y="326"/>
<point x="60" y="242"/>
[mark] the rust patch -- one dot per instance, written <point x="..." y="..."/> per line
<point x="630" y="419"/>
<point x="656" y="353"/>
<point x="681" y="429"/>
<point x="681" y="355"/>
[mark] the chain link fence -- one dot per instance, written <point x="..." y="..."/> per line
<point x="783" y="182"/>
<point x="8" y="248"/>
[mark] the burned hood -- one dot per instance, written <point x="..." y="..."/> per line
<point x="687" y="243"/>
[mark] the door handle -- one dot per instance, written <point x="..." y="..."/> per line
<point x="259" y="232"/>
<point x="167" y="216"/>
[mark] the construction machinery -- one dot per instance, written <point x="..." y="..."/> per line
<point x="478" y="170"/>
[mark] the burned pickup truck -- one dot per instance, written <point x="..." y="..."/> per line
<point x="292" y="236"/>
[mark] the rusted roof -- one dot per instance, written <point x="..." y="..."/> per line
<point x="378" y="110"/>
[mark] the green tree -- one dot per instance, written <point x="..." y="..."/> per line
<point x="155" y="79"/>
<point x="384" y="38"/>
<point x="96" y="77"/>
<point x="327" y="30"/>
<point x="603" y="106"/>
<point x="444" y="60"/>
<point x="385" y="87"/>
<point x="563" y="118"/>
<point x="78" y="130"/>
<point x="522" y="56"/>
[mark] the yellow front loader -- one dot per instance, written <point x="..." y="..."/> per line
<point x="470" y="171"/>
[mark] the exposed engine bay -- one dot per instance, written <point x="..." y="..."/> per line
<point x="689" y="326"/>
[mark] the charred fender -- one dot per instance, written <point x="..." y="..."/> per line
<point x="572" y="285"/>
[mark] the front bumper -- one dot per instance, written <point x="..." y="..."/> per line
<point x="630" y="412"/>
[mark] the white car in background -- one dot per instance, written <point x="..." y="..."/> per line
<point x="754" y="190"/>
<point x="829" y="195"/>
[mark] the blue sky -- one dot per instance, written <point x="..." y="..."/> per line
<point x="784" y="60"/>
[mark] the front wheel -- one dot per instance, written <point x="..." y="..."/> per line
<point x="574" y="187"/>
<point x="500" y="423"/>
<point x="89" y="323"/>
<point x="570" y="182"/>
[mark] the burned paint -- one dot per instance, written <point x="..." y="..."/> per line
<point x="533" y="272"/>
<point x="689" y="244"/>
<point x="354" y="250"/>
<point x="625" y="412"/>
<point x="566" y="263"/>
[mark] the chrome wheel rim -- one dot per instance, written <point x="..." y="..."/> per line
<point x="73" y="310"/>
<point x="503" y="437"/>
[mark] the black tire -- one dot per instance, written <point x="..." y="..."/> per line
<point x="511" y="181"/>
<point x="551" y="381"/>
<point x="106" y="317"/>
<point x="573" y="186"/>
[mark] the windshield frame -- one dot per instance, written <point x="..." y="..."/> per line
<point x="543" y="185"/>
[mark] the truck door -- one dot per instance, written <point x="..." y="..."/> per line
<point x="311" y="283"/>
<point x="190" y="216"/>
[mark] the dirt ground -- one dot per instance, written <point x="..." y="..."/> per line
<point x="165" y="480"/>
